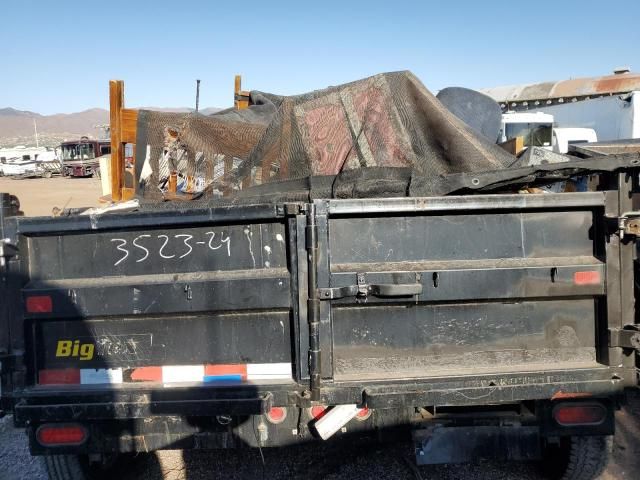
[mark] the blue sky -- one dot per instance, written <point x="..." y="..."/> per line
<point x="57" y="56"/>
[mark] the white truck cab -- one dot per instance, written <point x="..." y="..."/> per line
<point x="536" y="128"/>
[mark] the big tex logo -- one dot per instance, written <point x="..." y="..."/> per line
<point x="75" y="349"/>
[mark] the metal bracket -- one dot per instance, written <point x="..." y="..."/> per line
<point x="629" y="224"/>
<point x="363" y="288"/>
<point x="292" y="209"/>
<point x="628" y="337"/>
<point x="337" y="292"/>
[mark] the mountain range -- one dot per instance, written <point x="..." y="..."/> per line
<point x="17" y="126"/>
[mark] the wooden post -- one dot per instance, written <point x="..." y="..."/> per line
<point x="116" y="104"/>
<point x="236" y="91"/>
<point x="240" y="98"/>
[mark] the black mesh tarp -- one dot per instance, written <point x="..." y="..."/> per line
<point x="385" y="135"/>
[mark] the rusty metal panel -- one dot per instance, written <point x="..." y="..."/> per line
<point x="577" y="87"/>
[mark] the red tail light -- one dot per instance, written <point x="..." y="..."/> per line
<point x="317" y="411"/>
<point x="59" y="435"/>
<point x="39" y="304"/>
<point x="568" y="414"/>
<point x="363" y="414"/>
<point x="277" y="415"/>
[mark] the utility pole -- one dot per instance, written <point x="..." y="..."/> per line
<point x="35" y="129"/>
<point x="197" y="95"/>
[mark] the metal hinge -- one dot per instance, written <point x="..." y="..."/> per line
<point x="363" y="289"/>
<point x="629" y="337"/>
<point x="629" y="224"/>
<point x="7" y="250"/>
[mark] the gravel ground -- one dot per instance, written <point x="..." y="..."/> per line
<point x="325" y="461"/>
<point x="15" y="461"/>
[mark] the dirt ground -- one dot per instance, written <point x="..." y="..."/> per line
<point x="38" y="196"/>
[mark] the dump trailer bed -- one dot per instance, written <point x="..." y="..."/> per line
<point x="231" y="326"/>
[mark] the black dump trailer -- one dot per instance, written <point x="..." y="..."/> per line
<point x="479" y="324"/>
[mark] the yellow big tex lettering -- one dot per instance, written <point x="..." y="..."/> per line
<point x="71" y="348"/>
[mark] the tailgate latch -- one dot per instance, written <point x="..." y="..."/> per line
<point x="629" y="224"/>
<point x="364" y="289"/>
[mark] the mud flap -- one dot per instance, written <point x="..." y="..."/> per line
<point x="441" y="444"/>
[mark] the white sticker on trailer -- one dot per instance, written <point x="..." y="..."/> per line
<point x="266" y="371"/>
<point x="182" y="373"/>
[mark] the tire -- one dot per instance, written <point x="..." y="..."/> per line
<point x="67" y="467"/>
<point x="77" y="467"/>
<point x="578" y="458"/>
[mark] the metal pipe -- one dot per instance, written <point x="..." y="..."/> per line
<point x="313" y="303"/>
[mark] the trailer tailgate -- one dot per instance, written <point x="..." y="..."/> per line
<point x="462" y="285"/>
<point x="161" y="298"/>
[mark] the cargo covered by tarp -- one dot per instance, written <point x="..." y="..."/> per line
<point x="382" y="136"/>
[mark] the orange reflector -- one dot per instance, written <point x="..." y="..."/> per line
<point x="317" y="411"/>
<point x="277" y="414"/>
<point x="586" y="278"/>
<point x="59" y="435"/>
<point x="363" y="414"/>
<point x="579" y="414"/>
<point x="570" y="395"/>
<point x="39" y="304"/>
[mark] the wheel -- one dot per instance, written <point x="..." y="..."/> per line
<point x="46" y="174"/>
<point x="578" y="458"/>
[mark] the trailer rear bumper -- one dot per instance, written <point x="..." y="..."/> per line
<point x="85" y="403"/>
<point x="524" y="426"/>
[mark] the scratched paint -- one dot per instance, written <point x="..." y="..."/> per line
<point x="248" y="234"/>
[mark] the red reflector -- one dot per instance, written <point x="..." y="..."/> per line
<point x="39" y="304"/>
<point x="67" y="376"/>
<point x="363" y="413"/>
<point x="586" y="278"/>
<point x="576" y="414"/>
<point x="54" y="435"/>
<point x="146" y="374"/>
<point x="317" y="411"/>
<point x="277" y="414"/>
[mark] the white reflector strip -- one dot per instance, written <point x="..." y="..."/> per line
<point x="90" y="376"/>
<point x="182" y="373"/>
<point x="170" y="374"/>
<point x="335" y="419"/>
<point x="267" y="371"/>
